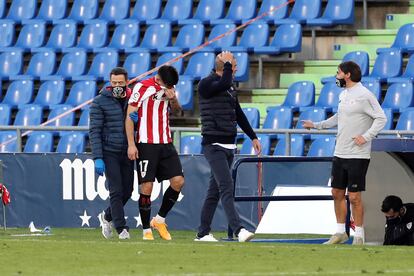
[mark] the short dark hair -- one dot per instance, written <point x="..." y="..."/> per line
<point x="353" y="68"/>
<point x="168" y="75"/>
<point x="391" y="202"/>
<point x="119" y="71"/>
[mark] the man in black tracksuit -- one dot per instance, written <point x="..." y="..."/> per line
<point x="109" y="148"/>
<point x="220" y="113"/>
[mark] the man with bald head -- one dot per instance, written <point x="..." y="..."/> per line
<point x="220" y="113"/>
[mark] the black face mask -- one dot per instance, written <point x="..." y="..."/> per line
<point x="118" y="91"/>
<point x="340" y="83"/>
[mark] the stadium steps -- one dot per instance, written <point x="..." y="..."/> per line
<point x="341" y="49"/>
<point x="378" y="36"/>
<point x="327" y="67"/>
<point x="394" y="21"/>
<point x="286" y="79"/>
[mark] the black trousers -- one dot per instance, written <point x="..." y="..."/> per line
<point x="119" y="172"/>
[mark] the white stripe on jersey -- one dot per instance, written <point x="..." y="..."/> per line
<point x="164" y="120"/>
<point x="155" y="130"/>
<point x="143" y="135"/>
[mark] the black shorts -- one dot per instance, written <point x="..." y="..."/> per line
<point x="349" y="174"/>
<point x="159" y="161"/>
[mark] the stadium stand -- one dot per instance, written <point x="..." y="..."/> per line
<point x="190" y="144"/>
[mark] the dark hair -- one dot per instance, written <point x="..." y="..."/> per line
<point x="119" y="71"/>
<point x="391" y="202"/>
<point x="168" y="75"/>
<point x="353" y="68"/>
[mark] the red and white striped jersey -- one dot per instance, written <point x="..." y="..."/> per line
<point x="153" y="124"/>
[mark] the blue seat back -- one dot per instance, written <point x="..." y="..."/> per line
<point x="5" y="114"/>
<point x="29" y="115"/>
<point x="63" y="35"/>
<point x="278" y="118"/>
<point x="374" y="86"/>
<point x="405" y="37"/>
<point x="11" y="63"/>
<point x="137" y="63"/>
<point x="157" y="35"/>
<point x="288" y="38"/>
<point x="361" y="58"/>
<point x="306" y="9"/>
<point x="84" y="118"/>
<point x="2" y="8"/>
<point x="255" y="35"/>
<point x="297" y="145"/>
<point x="178" y="9"/>
<point x="125" y="36"/>
<point x="94" y="35"/>
<point x="66" y="120"/>
<point x="190" y="36"/>
<point x="229" y="40"/>
<point x="322" y="147"/>
<point x="32" y="35"/>
<point x="39" y="142"/>
<point x="329" y="96"/>
<point x="185" y="91"/>
<point x="243" y="66"/>
<point x="50" y="93"/>
<point x="247" y="146"/>
<point x="7" y="33"/>
<point x="73" y="64"/>
<point x="190" y="144"/>
<point x="314" y="114"/>
<point x="300" y="94"/>
<point x="84" y="10"/>
<point x="103" y="63"/>
<point x="200" y="65"/>
<point x="169" y="56"/>
<point x="209" y="10"/>
<point x="387" y="65"/>
<point x="399" y="95"/>
<point x="146" y="10"/>
<point x="8" y="137"/>
<point x="241" y="9"/>
<point x="341" y="11"/>
<point x="406" y="120"/>
<point x="252" y="115"/>
<point x="42" y="64"/>
<point x="390" y="117"/>
<point x="52" y="9"/>
<point x="409" y="70"/>
<point x="80" y="92"/>
<point x="73" y="142"/>
<point x="19" y="92"/>
<point x="115" y="10"/>
<point x="22" y="9"/>
<point x="280" y="9"/>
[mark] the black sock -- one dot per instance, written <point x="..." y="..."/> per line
<point x="144" y="204"/>
<point x="168" y="201"/>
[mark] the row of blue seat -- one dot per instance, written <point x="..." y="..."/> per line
<point x="181" y="11"/>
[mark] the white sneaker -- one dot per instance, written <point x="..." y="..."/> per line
<point x="106" y="226"/>
<point x="206" y="238"/>
<point x="245" y="236"/>
<point x="358" y="241"/>
<point x="124" y="235"/>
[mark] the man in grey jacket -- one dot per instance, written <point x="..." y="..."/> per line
<point x="359" y="119"/>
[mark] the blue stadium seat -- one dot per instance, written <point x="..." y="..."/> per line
<point x="28" y="115"/>
<point x="126" y="35"/>
<point x="146" y="10"/>
<point x="278" y="117"/>
<point x="156" y="36"/>
<point x="224" y="42"/>
<point x="200" y="65"/>
<point x="287" y="38"/>
<point x="406" y="120"/>
<point x="302" y="10"/>
<point x="280" y="10"/>
<point x="11" y="64"/>
<point x="255" y="35"/>
<point x="39" y="142"/>
<point x="22" y="9"/>
<point x="390" y="115"/>
<point x="19" y="92"/>
<point x="84" y="118"/>
<point x="73" y="142"/>
<point x="179" y="64"/>
<point x="2" y="8"/>
<point x="329" y="96"/>
<point x="81" y="92"/>
<point x="83" y="10"/>
<point x="64" y="35"/>
<point x="41" y="64"/>
<point x="94" y="35"/>
<point x="137" y="64"/>
<point x="243" y="66"/>
<point x="399" y="96"/>
<point x="102" y="65"/>
<point x="7" y="33"/>
<point x="297" y="146"/>
<point x="387" y="65"/>
<point x="299" y="95"/>
<point x="359" y="57"/>
<point x="336" y="12"/>
<point x="32" y="35"/>
<point x="315" y="114"/>
<point x="51" y="10"/>
<point x="239" y="10"/>
<point x="115" y="10"/>
<point x="322" y="147"/>
<point x="253" y="116"/>
<point x="67" y="120"/>
<point x="207" y="10"/>
<point x="189" y="37"/>
<point x="404" y="40"/>
<point x="5" y="114"/>
<point x="265" y="141"/>
<point x="50" y="93"/>
<point x="10" y="138"/>
<point x="190" y="144"/>
<point x="185" y="91"/>
<point x="408" y="74"/>
<point x="175" y="10"/>
<point x="373" y="86"/>
<point x="73" y="64"/>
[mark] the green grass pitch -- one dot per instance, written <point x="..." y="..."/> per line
<point x="86" y="252"/>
